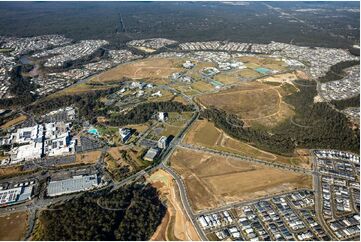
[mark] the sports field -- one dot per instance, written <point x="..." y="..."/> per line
<point x="212" y="181"/>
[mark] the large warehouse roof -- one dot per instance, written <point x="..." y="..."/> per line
<point x="75" y="184"/>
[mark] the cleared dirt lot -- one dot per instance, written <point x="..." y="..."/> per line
<point x="88" y="157"/>
<point x="150" y="68"/>
<point x="255" y="103"/>
<point x="10" y="170"/>
<point x="204" y="133"/>
<point x="212" y="181"/>
<point x="13" y="226"/>
<point x="175" y="225"/>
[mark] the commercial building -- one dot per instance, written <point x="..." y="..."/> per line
<point x="151" y="154"/>
<point x="188" y="65"/>
<point x="52" y="139"/>
<point x="75" y="184"/>
<point x="28" y="134"/>
<point x="58" y="140"/>
<point x="162" y="116"/>
<point x="30" y="143"/>
<point x="125" y="134"/>
<point x="15" y="195"/>
<point x="33" y="150"/>
<point x="163" y="142"/>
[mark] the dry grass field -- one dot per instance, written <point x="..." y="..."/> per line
<point x="170" y="130"/>
<point x="228" y="78"/>
<point x="13" y="226"/>
<point x="248" y="74"/>
<point x="172" y="126"/>
<point x="266" y="62"/>
<point x="202" y="86"/>
<point x="155" y="70"/>
<point x="139" y="127"/>
<point x="166" y="96"/>
<point x="204" y="133"/>
<point x="152" y="69"/>
<point x="185" y="89"/>
<point x="18" y="120"/>
<point x="175" y="225"/>
<point x="78" y="89"/>
<point x="212" y="181"/>
<point x="255" y="103"/>
<point x="180" y="99"/>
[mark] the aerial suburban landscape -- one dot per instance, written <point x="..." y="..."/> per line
<point x="171" y="121"/>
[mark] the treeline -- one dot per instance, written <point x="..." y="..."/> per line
<point x="350" y="102"/>
<point x="130" y="213"/>
<point x="144" y="112"/>
<point x="90" y="108"/>
<point x="336" y="72"/>
<point x="315" y="125"/>
<point x="85" y="102"/>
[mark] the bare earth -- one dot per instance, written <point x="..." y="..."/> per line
<point x="213" y="181"/>
<point x="150" y="68"/>
<point x="9" y="170"/>
<point x="88" y="157"/>
<point x="13" y="226"/>
<point x="175" y="225"/>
